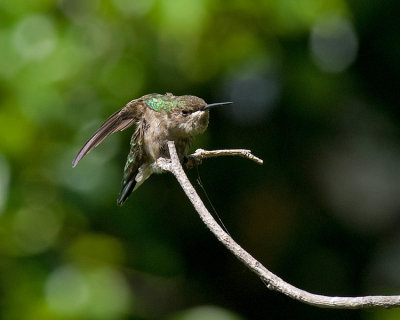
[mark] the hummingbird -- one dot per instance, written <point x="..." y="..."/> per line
<point x="158" y="119"/>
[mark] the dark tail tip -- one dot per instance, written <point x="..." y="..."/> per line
<point x="126" y="191"/>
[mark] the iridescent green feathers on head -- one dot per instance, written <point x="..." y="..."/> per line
<point x="161" y="103"/>
<point x="169" y="102"/>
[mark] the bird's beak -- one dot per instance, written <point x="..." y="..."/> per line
<point x="212" y="105"/>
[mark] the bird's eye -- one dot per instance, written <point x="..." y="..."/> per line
<point x="185" y="113"/>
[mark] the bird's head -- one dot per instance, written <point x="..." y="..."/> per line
<point x="191" y="114"/>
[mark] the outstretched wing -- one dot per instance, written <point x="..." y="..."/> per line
<point x="118" y="121"/>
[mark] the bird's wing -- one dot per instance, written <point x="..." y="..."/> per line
<point x="133" y="162"/>
<point x="118" y="121"/>
<point x="129" y="179"/>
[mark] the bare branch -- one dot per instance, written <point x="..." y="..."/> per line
<point x="203" y="154"/>
<point x="272" y="281"/>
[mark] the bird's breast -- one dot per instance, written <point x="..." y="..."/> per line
<point x="154" y="138"/>
<point x="155" y="142"/>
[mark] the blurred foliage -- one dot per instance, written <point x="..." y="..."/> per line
<point x="315" y="95"/>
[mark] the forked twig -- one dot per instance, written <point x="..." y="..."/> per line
<point x="273" y="282"/>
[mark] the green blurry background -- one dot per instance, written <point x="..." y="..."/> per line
<point x="315" y="95"/>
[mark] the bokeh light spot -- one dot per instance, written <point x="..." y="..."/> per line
<point x="36" y="229"/>
<point x="35" y="37"/>
<point x="109" y="294"/>
<point x="333" y="43"/>
<point x="97" y="293"/>
<point x="360" y="175"/>
<point x="253" y="94"/>
<point x="66" y="291"/>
